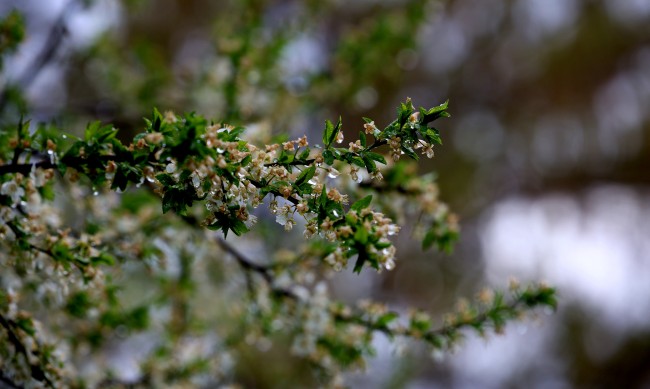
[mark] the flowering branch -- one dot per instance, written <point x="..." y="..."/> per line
<point x="214" y="179"/>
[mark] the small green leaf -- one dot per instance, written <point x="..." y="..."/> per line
<point x="433" y="136"/>
<point x="354" y="159"/>
<point x="247" y="159"/>
<point x="361" y="203"/>
<point x="157" y="120"/>
<point x="304" y="154"/>
<point x="331" y="132"/>
<point x="79" y="304"/>
<point x="323" y="197"/>
<point x="410" y="152"/>
<point x="386" y="319"/>
<point x="435" y="112"/>
<point x="305" y="175"/>
<point x="26" y="324"/>
<point x="361" y="260"/>
<point x="327" y="134"/>
<point x="361" y="235"/>
<point x="103" y="258"/>
<point x="138" y="318"/>
<point x="91" y="130"/>
<point x="168" y="202"/>
<point x="382" y="245"/>
<point x="328" y="156"/>
<point x="120" y="180"/>
<point x="429" y="239"/>
<point x="238" y="227"/>
<point x="165" y="179"/>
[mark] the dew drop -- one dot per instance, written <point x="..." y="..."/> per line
<point x="333" y="173"/>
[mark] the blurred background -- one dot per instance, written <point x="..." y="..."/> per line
<point x="546" y="158"/>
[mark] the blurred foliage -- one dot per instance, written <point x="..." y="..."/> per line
<point x="548" y="97"/>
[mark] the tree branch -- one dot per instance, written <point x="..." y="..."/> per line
<point x="25" y="168"/>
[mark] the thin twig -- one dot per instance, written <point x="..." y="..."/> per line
<point x="25" y="168"/>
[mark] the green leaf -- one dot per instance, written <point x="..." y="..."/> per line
<point x="420" y="325"/>
<point x="305" y="175"/>
<point x="361" y="260"/>
<point x="12" y="32"/>
<point x="120" y="180"/>
<point x="103" y="259"/>
<point x="176" y="200"/>
<point x="157" y="120"/>
<point x="26" y="324"/>
<point x="334" y="210"/>
<point x="327" y="134"/>
<point x="403" y="113"/>
<point x="138" y="318"/>
<point x="410" y="152"/>
<point x="337" y="129"/>
<point x="370" y="164"/>
<point x="362" y="138"/>
<point x="238" y="227"/>
<point x="91" y="130"/>
<point x="79" y="304"/>
<point x="361" y="235"/>
<point x="304" y="154"/>
<point x="322" y="200"/>
<point x="429" y="239"/>
<point x="331" y="132"/>
<point x="376" y="157"/>
<point x="165" y="179"/>
<point x="168" y="202"/>
<point x="354" y="159"/>
<point x="60" y="252"/>
<point x="285" y="157"/>
<point x="328" y="156"/>
<point x="247" y="159"/>
<point x="435" y="112"/>
<point x="433" y="136"/>
<point x="361" y="203"/>
<point x="228" y="222"/>
<point x="386" y="319"/>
